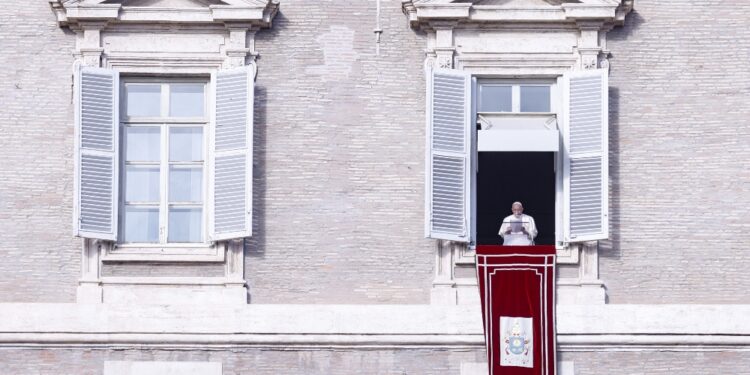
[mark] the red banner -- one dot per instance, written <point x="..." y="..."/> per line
<point x="517" y="288"/>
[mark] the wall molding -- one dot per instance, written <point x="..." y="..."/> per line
<point x="362" y="327"/>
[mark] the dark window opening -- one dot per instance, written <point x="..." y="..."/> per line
<point x="505" y="177"/>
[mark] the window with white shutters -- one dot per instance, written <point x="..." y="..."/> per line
<point x="164" y="161"/>
<point x="449" y="155"/>
<point x="96" y="111"/>
<point x="581" y="165"/>
<point x="585" y="139"/>
<point x="232" y="156"/>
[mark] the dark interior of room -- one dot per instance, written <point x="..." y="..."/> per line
<point x="506" y="177"/>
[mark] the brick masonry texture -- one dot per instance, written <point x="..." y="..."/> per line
<point x="339" y="159"/>
<point x="245" y="361"/>
<point x="658" y="363"/>
<point x="40" y="257"/>
<point x="242" y="361"/>
<point x="679" y="136"/>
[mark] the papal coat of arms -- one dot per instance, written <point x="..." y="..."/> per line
<point x="516" y="338"/>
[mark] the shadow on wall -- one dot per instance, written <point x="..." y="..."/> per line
<point x="255" y="247"/>
<point x="612" y="248"/>
<point x="632" y="22"/>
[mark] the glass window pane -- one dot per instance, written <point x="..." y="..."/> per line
<point x="186" y="144"/>
<point x="535" y="99"/>
<point x="185" y="225"/>
<point x="186" y="100"/>
<point x="141" y="184"/>
<point x="141" y="224"/>
<point x="143" y="100"/>
<point x="142" y="143"/>
<point x="185" y="184"/>
<point x="493" y="98"/>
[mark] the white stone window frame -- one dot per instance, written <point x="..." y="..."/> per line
<point x="103" y="31"/>
<point x="565" y="253"/>
<point x="168" y="68"/>
<point x="165" y="251"/>
<point x="445" y="21"/>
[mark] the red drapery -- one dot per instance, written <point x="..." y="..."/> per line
<point x="517" y="288"/>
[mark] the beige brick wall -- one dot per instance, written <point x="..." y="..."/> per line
<point x="339" y="158"/>
<point x="40" y="257"/>
<point x="339" y="151"/>
<point x="346" y="362"/>
<point x="245" y="361"/>
<point x="680" y="88"/>
<point x="658" y="363"/>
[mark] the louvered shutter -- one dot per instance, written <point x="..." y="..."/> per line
<point x="449" y="155"/>
<point x="96" y="118"/>
<point x="585" y="139"/>
<point x="231" y="159"/>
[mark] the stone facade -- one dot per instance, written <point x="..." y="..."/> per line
<point x="339" y="191"/>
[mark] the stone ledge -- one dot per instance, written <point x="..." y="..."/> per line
<point x="580" y="328"/>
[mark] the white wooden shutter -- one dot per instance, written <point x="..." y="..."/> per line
<point x="96" y="156"/>
<point x="585" y="155"/>
<point x="449" y="155"/>
<point x="231" y="159"/>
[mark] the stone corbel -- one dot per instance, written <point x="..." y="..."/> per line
<point x="88" y="47"/>
<point x="444" y="48"/>
<point x="240" y="45"/>
<point x="588" y="43"/>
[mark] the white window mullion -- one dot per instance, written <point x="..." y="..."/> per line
<point x="163" y="185"/>
<point x="516" y="98"/>
<point x="164" y="168"/>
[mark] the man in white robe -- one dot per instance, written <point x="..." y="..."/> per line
<point x="518" y="229"/>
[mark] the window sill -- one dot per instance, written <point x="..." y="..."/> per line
<point x="566" y="254"/>
<point x="164" y="253"/>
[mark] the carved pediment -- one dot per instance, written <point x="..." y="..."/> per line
<point x="425" y="12"/>
<point x="518" y="3"/>
<point x="256" y="12"/>
<point x="166" y="3"/>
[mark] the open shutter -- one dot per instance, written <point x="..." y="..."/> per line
<point x="585" y="163"/>
<point x="449" y="155"/>
<point x="96" y="146"/>
<point x="231" y="159"/>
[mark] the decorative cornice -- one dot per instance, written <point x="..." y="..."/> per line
<point x="423" y="12"/>
<point x="259" y="13"/>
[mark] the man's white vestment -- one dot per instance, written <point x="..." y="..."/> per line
<point x="517" y="237"/>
